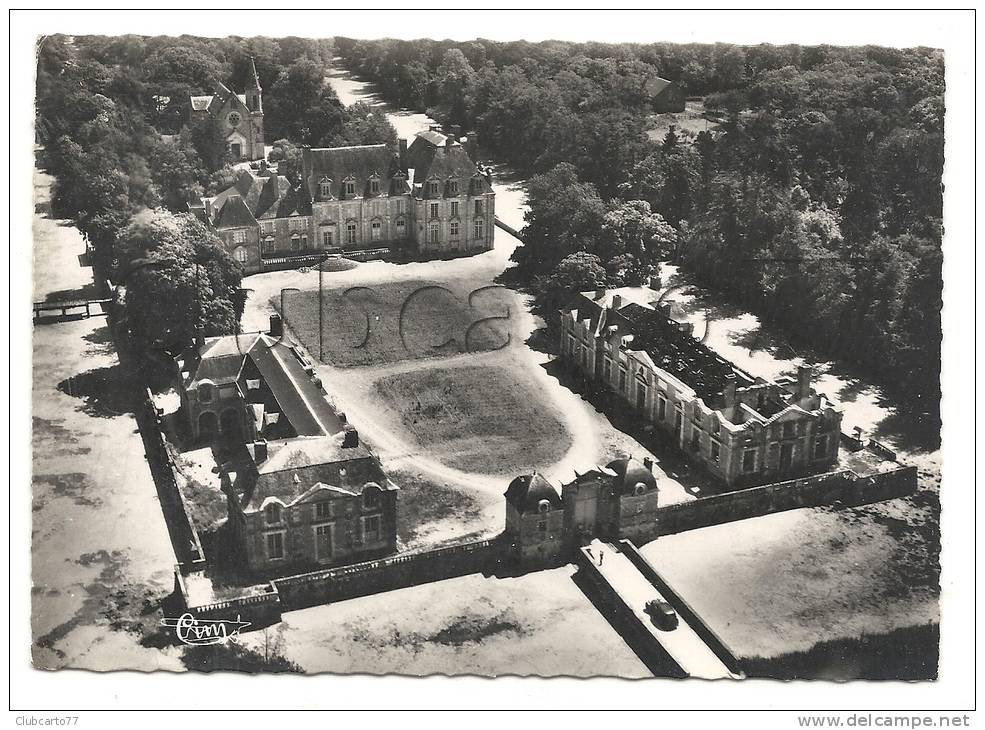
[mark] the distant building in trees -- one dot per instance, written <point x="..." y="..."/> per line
<point x="742" y="429"/>
<point x="665" y="96"/>
<point x="240" y="116"/>
<point x="427" y="201"/>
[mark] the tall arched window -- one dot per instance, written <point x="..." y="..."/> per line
<point x="241" y="255"/>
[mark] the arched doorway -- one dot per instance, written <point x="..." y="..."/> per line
<point x="230" y="424"/>
<point x="208" y="425"/>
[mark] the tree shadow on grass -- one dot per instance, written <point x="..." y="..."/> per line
<point x="542" y="340"/>
<point x="88" y="291"/>
<point x="106" y="392"/>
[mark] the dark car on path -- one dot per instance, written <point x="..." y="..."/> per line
<point x="662" y="614"/>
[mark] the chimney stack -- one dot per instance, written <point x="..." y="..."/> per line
<point x="259" y="451"/>
<point x="728" y="392"/>
<point x="804" y="377"/>
<point x="616" y="301"/>
<point x="276" y="326"/>
<point x="402" y="152"/>
<point x="351" y="438"/>
<point x="648" y="463"/>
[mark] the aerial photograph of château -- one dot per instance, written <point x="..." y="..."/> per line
<point x="362" y="355"/>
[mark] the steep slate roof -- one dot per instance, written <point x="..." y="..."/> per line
<point x="234" y="213"/>
<point x="294" y="466"/>
<point x="265" y="197"/>
<point x="629" y="473"/>
<point x="221" y="358"/>
<point x="359" y="163"/>
<point x="526" y="491"/>
<point x="656" y="85"/>
<point x="443" y="163"/>
<point x="213" y="103"/>
<point x="298" y="399"/>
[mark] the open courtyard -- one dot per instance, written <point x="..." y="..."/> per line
<point x="477" y="418"/>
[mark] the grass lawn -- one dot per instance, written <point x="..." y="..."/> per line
<point x="477" y="418"/>
<point x="399" y="320"/>
<point x="423" y="505"/>
<point x="200" y="486"/>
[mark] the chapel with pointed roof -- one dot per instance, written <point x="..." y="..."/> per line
<point x="240" y="116"/>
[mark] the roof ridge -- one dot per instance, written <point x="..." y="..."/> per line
<point x="347" y="147"/>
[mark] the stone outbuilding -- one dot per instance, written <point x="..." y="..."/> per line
<point x="544" y="524"/>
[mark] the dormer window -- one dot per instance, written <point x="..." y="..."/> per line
<point x="272" y="514"/>
<point x="325" y="189"/>
<point x="350" y="188"/>
<point x="433" y="189"/>
<point x="205" y="393"/>
<point x="543" y="506"/>
<point x="371" y="498"/>
<point x="374" y="187"/>
<point x="452" y="187"/>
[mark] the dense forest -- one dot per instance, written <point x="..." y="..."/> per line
<point x="115" y="134"/>
<point x="815" y="202"/>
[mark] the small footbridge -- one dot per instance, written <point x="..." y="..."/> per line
<point x="59" y="311"/>
<point x="509" y="229"/>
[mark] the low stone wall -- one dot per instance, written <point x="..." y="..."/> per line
<point x="843" y="486"/>
<point x="184" y="538"/>
<point x="387" y="574"/>
<point x="882" y="450"/>
<point x="259" y="610"/>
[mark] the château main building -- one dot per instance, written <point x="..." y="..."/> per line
<point x="428" y="200"/>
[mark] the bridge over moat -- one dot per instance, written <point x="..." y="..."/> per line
<point x="625" y="583"/>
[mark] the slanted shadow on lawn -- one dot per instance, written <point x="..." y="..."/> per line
<point x="106" y="392"/>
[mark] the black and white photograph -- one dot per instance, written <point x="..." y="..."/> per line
<point x="400" y="345"/>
